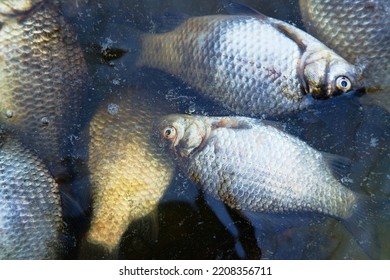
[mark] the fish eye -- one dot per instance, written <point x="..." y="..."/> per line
<point x="343" y="83"/>
<point x="169" y="132"/>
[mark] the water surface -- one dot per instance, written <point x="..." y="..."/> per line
<point x="192" y="225"/>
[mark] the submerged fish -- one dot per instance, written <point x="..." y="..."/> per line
<point x="30" y="208"/>
<point x="42" y="70"/>
<point x="128" y="171"/>
<point x="255" y="167"/>
<point x="358" y="30"/>
<point x="251" y="64"/>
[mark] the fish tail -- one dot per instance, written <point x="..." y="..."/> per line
<point x="369" y="213"/>
<point x="163" y="49"/>
<point x="149" y="49"/>
<point x="159" y="51"/>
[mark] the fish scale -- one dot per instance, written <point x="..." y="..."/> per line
<point x="245" y="62"/>
<point x="226" y="57"/>
<point x="42" y="72"/>
<point x="260" y="169"/>
<point x="128" y="171"/>
<point x="359" y="30"/>
<point x="30" y="207"/>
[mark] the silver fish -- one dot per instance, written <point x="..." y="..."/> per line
<point x="251" y="64"/>
<point x="255" y="167"/>
<point x="30" y="208"/>
<point x="42" y="74"/>
<point x="358" y="30"/>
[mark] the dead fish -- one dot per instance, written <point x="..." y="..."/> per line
<point x="42" y="73"/>
<point x="250" y="63"/>
<point x="358" y="30"/>
<point x="30" y="208"/>
<point x="255" y="167"/>
<point x="128" y="171"/>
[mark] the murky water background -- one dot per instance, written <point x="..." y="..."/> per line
<point x="192" y="225"/>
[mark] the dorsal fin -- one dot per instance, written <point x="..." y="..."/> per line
<point x="242" y="9"/>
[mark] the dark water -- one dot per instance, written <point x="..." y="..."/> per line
<point x="192" y="225"/>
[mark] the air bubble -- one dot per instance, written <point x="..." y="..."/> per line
<point x="113" y="109"/>
<point x="44" y="121"/>
<point x="191" y="109"/>
<point x="9" y="114"/>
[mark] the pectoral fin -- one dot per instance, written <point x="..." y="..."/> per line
<point x="290" y="33"/>
<point x="233" y="123"/>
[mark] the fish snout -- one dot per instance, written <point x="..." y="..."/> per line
<point x="361" y="87"/>
<point x="343" y="85"/>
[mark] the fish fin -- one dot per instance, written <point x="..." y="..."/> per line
<point x="275" y="231"/>
<point x="368" y="214"/>
<point x="289" y="33"/>
<point x="235" y="8"/>
<point x="264" y="232"/>
<point x="282" y="222"/>
<point x="239" y="8"/>
<point x="278" y="125"/>
<point x="221" y="211"/>
<point x="75" y="221"/>
<point x="70" y="207"/>
<point x="154" y="224"/>
<point x="234" y="123"/>
<point x="340" y="166"/>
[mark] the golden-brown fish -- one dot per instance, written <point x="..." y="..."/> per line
<point x="358" y="30"/>
<point x="42" y="70"/>
<point x="30" y="208"/>
<point x="128" y="171"/>
<point x="251" y="64"/>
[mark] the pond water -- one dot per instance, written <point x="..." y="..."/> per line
<point x="190" y="224"/>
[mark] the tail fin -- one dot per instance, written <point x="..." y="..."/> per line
<point x="369" y="214"/>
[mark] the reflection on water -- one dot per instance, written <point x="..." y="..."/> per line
<point x="190" y="224"/>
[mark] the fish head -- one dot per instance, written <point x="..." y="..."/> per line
<point x="183" y="134"/>
<point x="15" y="8"/>
<point x="327" y="75"/>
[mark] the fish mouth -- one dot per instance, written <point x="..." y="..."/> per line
<point x="189" y="141"/>
<point x="322" y="92"/>
<point x="360" y="91"/>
